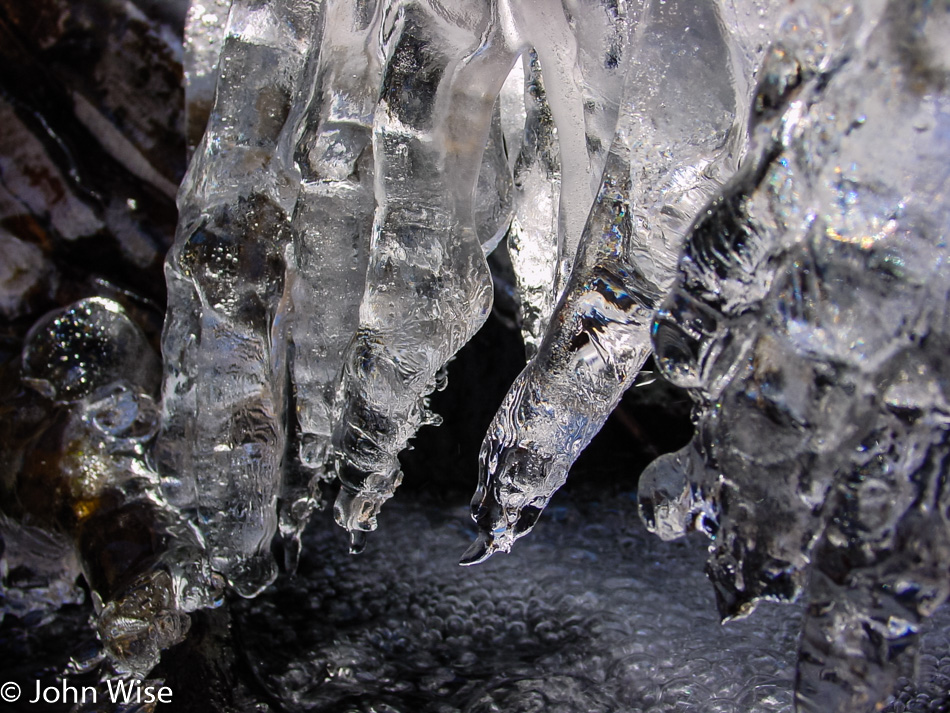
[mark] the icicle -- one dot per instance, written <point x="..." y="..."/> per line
<point x="663" y="165"/>
<point x="223" y="430"/>
<point x="332" y="223"/>
<point x="427" y="287"/>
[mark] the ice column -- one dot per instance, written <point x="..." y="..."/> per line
<point x="223" y="426"/>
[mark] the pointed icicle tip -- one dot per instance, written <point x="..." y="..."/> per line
<point x="357" y="541"/>
<point x="291" y="554"/>
<point x="478" y="551"/>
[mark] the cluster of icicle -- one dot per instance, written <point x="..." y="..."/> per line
<point x="754" y="190"/>
<point x="360" y="161"/>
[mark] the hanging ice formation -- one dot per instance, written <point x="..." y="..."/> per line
<point x="352" y="267"/>
<point x="675" y="142"/>
<point x="753" y="191"/>
<point x="809" y="321"/>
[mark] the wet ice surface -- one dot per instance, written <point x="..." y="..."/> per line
<point x="591" y="613"/>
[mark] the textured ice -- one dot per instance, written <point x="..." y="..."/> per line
<point x="376" y="145"/>
<point x="590" y="615"/>
<point x="78" y="486"/>
<point x="675" y="143"/>
<point x="808" y="320"/>
<point x="224" y="347"/>
<point x="380" y="276"/>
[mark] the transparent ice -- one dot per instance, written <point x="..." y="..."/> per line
<point x="808" y="320"/>
<point x="675" y="143"/>
<point x="81" y="486"/>
<point x="757" y="141"/>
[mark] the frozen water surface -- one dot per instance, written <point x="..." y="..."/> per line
<point x="589" y="615"/>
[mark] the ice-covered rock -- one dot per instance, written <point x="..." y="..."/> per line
<point x="79" y="496"/>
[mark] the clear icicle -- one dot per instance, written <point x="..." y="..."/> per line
<point x="544" y="235"/>
<point x="428" y="287"/>
<point x="223" y="430"/>
<point x="674" y="146"/>
<point x="548" y="28"/>
<point x="332" y="223"/>
<point x="513" y="112"/>
<point x="572" y="127"/>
